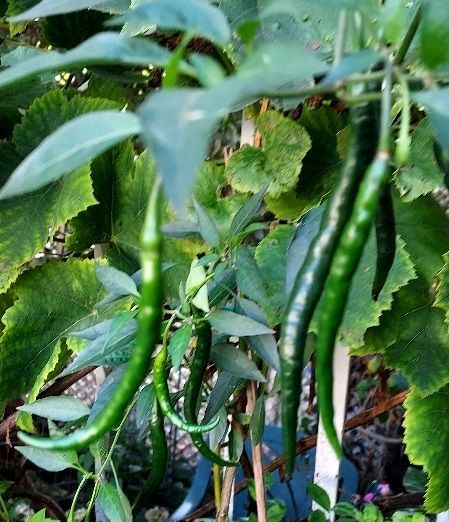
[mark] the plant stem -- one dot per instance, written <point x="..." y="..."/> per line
<point x="340" y="39"/>
<point x="408" y="38"/>
<point x="217" y="484"/>
<point x="385" y="115"/>
<point x="71" y="515"/>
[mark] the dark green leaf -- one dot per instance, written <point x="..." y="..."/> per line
<point x="230" y="359"/>
<point x="244" y="216"/>
<point x="221" y="286"/>
<point x="224" y="387"/>
<point x="319" y="495"/>
<point x="257" y="423"/>
<point x="114" y="503"/>
<point x="317" y="516"/>
<point x="235" y="324"/>
<point x="249" y="279"/>
<point x="354" y="63"/>
<point x="178" y="344"/>
<point x="207" y="227"/>
<point x="345" y="509"/>
<point x="434" y="38"/>
<point x="107" y="389"/>
<point x="143" y="409"/>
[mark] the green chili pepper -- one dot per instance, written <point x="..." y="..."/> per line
<point x="163" y="394"/>
<point x="313" y="273"/>
<point x="344" y="264"/>
<point x="193" y="390"/>
<point x="159" y="459"/>
<point x="385" y="239"/>
<point x="149" y="320"/>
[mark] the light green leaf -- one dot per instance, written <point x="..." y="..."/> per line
<point x="371" y="513"/>
<point x="195" y="16"/>
<point x="177" y="123"/>
<point x="62" y="408"/>
<point x="70" y="147"/>
<point x="40" y="517"/>
<point x="48" y="459"/>
<point x="103" y="48"/>
<point x="114" y="503"/>
<point x="31" y="326"/>
<point x="236" y="324"/>
<point x="195" y="286"/>
<point x="116" y="281"/>
<point x="271" y="257"/>
<point x="426" y="439"/>
<point x="421" y="175"/>
<point x="178" y="344"/>
<point x="434" y="38"/>
<point x="230" y="359"/>
<point x="278" y="163"/>
<point x="54" y="7"/>
<point x="436" y="102"/>
<point x="394" y="19"/>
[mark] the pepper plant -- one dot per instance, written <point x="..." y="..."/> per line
<point x="326" y="231"/>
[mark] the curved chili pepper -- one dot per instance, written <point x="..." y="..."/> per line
<point x="163" y="394"/>
<point x="385" y="239"/>
<point x="159" y="459"/>
<point x="149" y="320"/>
<point x="311" y="278"/>
<point x="193" y="389"/>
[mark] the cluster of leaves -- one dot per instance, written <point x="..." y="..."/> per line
<point x="69" y="155"/>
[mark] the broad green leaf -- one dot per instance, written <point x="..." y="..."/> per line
<point x="194" y="16"/>
<point x="246" y="213"/>
<point x="31" y="326"/>
<point x="54" y="7"/>
<point x="257" y="424"/>
<point x="207" y="227"/>
<point x="225" y="386"/>
<point x="70" y="147"/>
<point x="236" y="324"/>
<point x="207" y="70"/>
<point x="319" y="167"/>
<point x="426" y="438"/>
<point x="421" y="175"/>
<point x="249" y="279"/>
<point x="178" y="123"/>
<point x="116" y="281"/>
<point x="421" y="339"/>
<point x="354" y="63"/>
<point x="230" y="359"/>
<point x="437" y="104"/>
<point x="264" y="345"/>
<point x="178" y="344"/>
<point x="271" y="257"/>
<point x="48" y="459"/>
<point x="94" y="331"/>
<point x="319" y="495"/>
<point x="40" y="517"/>
<point x="415" y="480"/>
<point x="394" y="19"/>
<point x="114" y="503"/>
<point x="371" y="513"/>
<point x="434" y="39"/>
<point x="278" y="163"/>
<point x="276" y="510"/>
<point x="345" y="509"/>
<point x="62" y="408"/>
<point x="103" y="48"/>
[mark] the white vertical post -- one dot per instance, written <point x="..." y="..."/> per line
<point x="327" y="465"/>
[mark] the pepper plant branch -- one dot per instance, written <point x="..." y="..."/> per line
<point x="409" y="35"/>
<point x="303" y="445"/>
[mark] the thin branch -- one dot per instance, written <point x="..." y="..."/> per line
<point x="303" y="445"/>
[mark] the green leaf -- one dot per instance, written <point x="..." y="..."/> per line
<point x="230" y="359"/>
<point x="48" y="459"/>
<point x="116" y="281"/>
<point x="40" y="517"/>
<point x="278" y="163"/>
<point x="178" y="345"/>
<point x="225" y="386"/>
<point x="236" y="324"/>
<point x="114" y="503"/>
<point x="415" y="480"/>
<point x="319" y="495"/>
<point x="437" y="104"/>
<point x="177" y="123"/>
<point x="103" y="48"/>
<point x="194" y="16"/>
<point x="32" y="328"/>
<point x="345" y="509"/>
<point x="257" y="424"/>
<point x="434" y="40"/>
<point x="422" y="175"/>
<point x="442" y="297"/>
<point x="144" y="405"/>
<point x="271" y="257"/>
<point x="246" y="213"/>
<point x="354" y="63"/>
<point x="317" y="516"/>
<point x="371" y="513"/>
<point x="276" y="510"/>
<point x="53" y="7"/>
<point x="221" y="286"/>
<point x="207" y="227"/>
<point x="180" y="229"/>
<point x="394" y="19"/>
<point x="106" y="391"/>
<point x="57" y="408"/>
<point x="248" y="276"/>
<point x="70" y="147"/>
<point x="5" y="485"/>
<point x="196" y="287"/>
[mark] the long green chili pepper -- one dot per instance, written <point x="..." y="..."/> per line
<point x="147" y="336"/>
<point x="385" y="239"/>
<point x="193" y="390"/>
<point x="311" y="278"/>
<point x="163" y="394"/>
<point x="344" y="264"/>
<point x="159" y="457"/>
